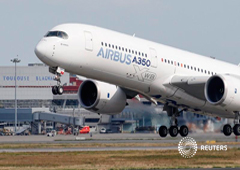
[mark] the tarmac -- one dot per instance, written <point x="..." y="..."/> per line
<point x="116" y="138"/>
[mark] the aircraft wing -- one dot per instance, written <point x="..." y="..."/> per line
<point x="194" y="85"/>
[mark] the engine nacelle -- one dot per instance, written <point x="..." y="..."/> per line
<point x="101" y="97"/>
<point x="223" y="90"/>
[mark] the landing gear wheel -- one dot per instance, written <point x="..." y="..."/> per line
<point x="173" y="131"/>
<point x="163" y="131"/>
<point x="55" y="90"/>
<point x="60" y="90"/>
<point x="183" y="131"/>
<point x="236" y="129"/>
<point x="227" y="130"/>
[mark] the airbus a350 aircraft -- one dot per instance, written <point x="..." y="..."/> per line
<point x="121" y="67"/>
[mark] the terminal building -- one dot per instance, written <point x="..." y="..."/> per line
<point x="37" y="106"/>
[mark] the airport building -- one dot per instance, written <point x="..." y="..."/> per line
<point x="34" y="86"/>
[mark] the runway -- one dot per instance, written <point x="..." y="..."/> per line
<point x="86" y="149"/>
<point x="89" y="149"/>
<point x="115" y="138"/>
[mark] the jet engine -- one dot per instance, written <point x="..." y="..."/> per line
<point x="101" y="97"/>
<point x="223" y="90"/>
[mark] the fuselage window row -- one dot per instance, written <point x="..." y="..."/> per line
<point x="187" y="66"/>
<point x="124" y="49"/>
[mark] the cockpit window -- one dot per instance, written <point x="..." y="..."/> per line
<point x="59" y="34"/>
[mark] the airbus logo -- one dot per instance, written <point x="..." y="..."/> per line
<point x="117" y="56"/>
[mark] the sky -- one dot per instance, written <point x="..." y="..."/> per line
<point x="210" y="28"/>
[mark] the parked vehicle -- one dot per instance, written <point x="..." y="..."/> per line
<point x="104" y="130"/>
<point x="52" y="133"/>
<point x="85" y="129"/>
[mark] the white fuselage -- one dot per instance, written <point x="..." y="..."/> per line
<point x="133" y="63"/>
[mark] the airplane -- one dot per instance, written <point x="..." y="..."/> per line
<point x="121" y="67"/>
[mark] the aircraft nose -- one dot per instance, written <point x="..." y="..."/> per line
<point x="40" y="50"/>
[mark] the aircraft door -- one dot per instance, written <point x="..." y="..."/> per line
<point x="88" y="41"/>
<point x="154" y="58"/>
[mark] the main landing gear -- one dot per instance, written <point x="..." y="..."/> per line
<point x="227" y="129"/>
<point x="173" y="130"/>
<point x="58" y="89"/>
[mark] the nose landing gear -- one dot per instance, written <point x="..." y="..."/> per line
<point x="58" y="89"/>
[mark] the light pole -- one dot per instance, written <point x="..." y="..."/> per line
<point x="15" y="61"/>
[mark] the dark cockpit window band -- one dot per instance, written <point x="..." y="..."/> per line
<point x="59" y="34"/>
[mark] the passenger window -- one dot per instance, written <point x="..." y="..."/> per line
<point x="102" y="43"/>
<point x="106" y="44"/>
<point x="109" y="45"/>
<point x="172" y="62"/>
<point x="112" y="46"/>
<point x="145" y="55"/>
